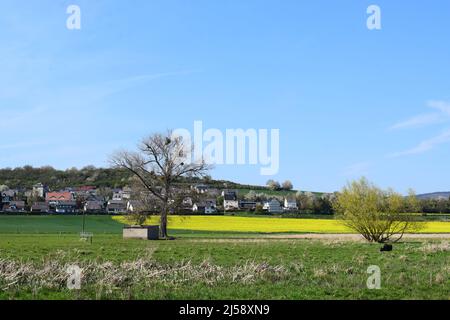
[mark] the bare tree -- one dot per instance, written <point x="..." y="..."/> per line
<point x="287" y="185"/>
<point x="161" y="160"/>
<point x="143" y="203"/>
<point x="273" y="185"/>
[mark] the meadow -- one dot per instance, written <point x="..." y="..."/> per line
<point x="185" y="225"/>
<point x="35" y="253"/>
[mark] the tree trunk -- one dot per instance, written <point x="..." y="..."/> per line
<point x="163" y="223"/>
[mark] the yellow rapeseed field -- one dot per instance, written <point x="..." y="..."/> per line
<point x="269" y="225"/>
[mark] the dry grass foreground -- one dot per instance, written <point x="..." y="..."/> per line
<point x="189" y="269"/>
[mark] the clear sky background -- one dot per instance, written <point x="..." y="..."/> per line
<point x="348" y="101"/>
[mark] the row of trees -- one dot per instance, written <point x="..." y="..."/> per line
<point x="25" y="177"/>
<point x="434" y="206"/>
<point x="275" y="185"/>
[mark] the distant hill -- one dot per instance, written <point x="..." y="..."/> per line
<point x="434" y="195"/>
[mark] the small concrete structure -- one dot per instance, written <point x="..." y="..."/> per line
<point x="141" y="232"/>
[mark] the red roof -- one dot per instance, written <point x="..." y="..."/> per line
<point x="58" y="196"/>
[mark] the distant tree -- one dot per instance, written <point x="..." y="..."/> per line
<point x="287" y="185"/>
<point x="305" y="200"/>
<point x="31" y="199"/>
<point x="143" y="203"/>
<point x="273" y="185"/>
<point x="105" y="193"/>
<point x="376" y="214"/>
<point x="261" y="196"/>
<point x="207" y="179"/>
<point x="441" y="205"/>
<point x="251" y="195"/>
<point x="259" y="208"/>
<point x="89" y="168"/>
<point x="219" y="201"/>
<point x="322" y="205"/>
<point x="161" y="161"/>
<point x="80" y="201"/>
<point x="413" y="204"/>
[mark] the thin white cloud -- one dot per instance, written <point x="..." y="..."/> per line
<point x="426" y="119"/>
<point x="48" y="109"/>
<point x="14" y="120"/>
<point x="21" y="145"/>
<point x="425" y="145"/>
<point x="357" y="169"/>
<point x="442" y="106"/>
<point x="419" y="121"/>
<point x="115" y="86"/>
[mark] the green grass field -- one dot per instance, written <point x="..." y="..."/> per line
<point x="186" y="225"/>
<point x="36" y="251"/>
<point x="57" y="224"/>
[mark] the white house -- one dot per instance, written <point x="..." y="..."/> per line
<point x="207" y="206"/>
<point x="230" y="200"/>
<point x="117" y="196"/>
<point x="273" y="206"/>
<point x="122" y="194"/>
<point x="39" y="190"/>
<point x="290" y="204"/>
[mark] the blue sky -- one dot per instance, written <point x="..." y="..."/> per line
<point x="348" y="101"/>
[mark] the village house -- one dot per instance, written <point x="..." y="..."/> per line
<point x="85" y="192"/>
<point x="15" y="206"/>
<point x="122" y="194"/>
<point x="117" y="196"/>
<point x="230" y="200"/>
<point x="290" y="204"/>
<point x="208" y="206"/>
<point x="247" y="205"/>
<point x="40" y="207"/>
<point x="94" y="206"/>
<point x="66" y="207"/>
<point x="8" y="196"/>
<point x="126" y="193"/>
<point x="135" y="206"/>
<point x="4" y="201"/>
<point x="116" y="206"/>
<point x="39" y="190"/>
<point x="53" y="197"/>
<point x="273" y="206"/>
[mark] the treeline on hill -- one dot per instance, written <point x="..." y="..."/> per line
<point x="27" y="176"/>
